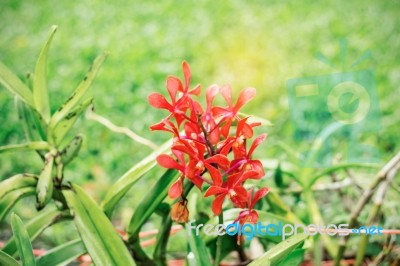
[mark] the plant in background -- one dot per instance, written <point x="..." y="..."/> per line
<point x="209" y="144"/>
<point x="210" y="149"/>
<point x="46" y="134"/>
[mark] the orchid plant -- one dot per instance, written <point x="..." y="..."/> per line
<point x="212" y="149"/>
<point x="205" y="141"/>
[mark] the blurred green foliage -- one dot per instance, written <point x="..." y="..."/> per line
<point x="258" y="43"/>
<point x="245" y="44"/>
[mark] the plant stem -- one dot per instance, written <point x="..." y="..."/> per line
<point x="219" y="242"/>
<point x="317" y="251"/>
<point x="160" y="250"/>
<point x="378" y="202"/>
<point x="315" y="213"/>
<point x="392" y="166"/>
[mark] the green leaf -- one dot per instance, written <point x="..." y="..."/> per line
<point x="279" y="207"/>
<point x="31" y="121"/>
<point x="44" y="188"/>
<point x="293" y="259"/>
<point x="80" y="91"/>
<point x="280" y="251"/>
<point x="24" y="245"/>
<point x="313" y="154"/>
<point x="40" y="93"/>
<point x="151" y="201"/>
<point x="69" y="120"/>
<point x="278" y="177"/>
<point x="71" y="150"/>
<point x="34" y="227"/>
<point x="63" y="254"/>
<point x="36" y="145"/>
<point x="122" y="186"/>
<point x="160" y="250"/>
<point x="16" y="182"/>
<point x="99" y="236"/>
<point x="338" y="167"/>
<point x="7" y="260"/>
<point x="198" y="254"/>
<point x="10" y="199"/>
<point x="15" y="85"/>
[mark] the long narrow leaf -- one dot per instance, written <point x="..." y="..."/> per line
<point x="71" y="150"/>
<point x="198" y="254"/>
<point x="15" y="85"/>
<point x="101" y="240"/>
<point x="122" y="186"/>
<point x="151" y="201"/>
<point x="10" y="199"/>
<point x="280" y="251"/>
<point x="37" y="145"/>
<point x="40" y="93"/>
<point x="78" y="94"/>
<point x="31" y="121"/>
<point x="6" y="259"/>
<point x="16" y="182"/>
<point x="44" y="188"/>
<point x="63" y="254"/>
<point x="34" y="227"/>
<point x="24" y="245"/>
<point x="69" y="120"/>
<point x="338" y="167"/>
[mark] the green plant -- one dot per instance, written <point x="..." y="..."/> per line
<point x="47" y="134"/>
<point x="205" y="145"/>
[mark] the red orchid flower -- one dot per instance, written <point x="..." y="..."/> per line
<point x="177" y="108"/>
<point x="174" y="84"/>
<point x="229" y="113"/>
<point x="237" y="143"/>
<point x="168" y="162"/>
<point x="250" y="215"/>
<point x="199" y="163"/>
<point x="247" y="162"/>
<point x="237" y="194"/>
<point x="205" y="145"/>
<point x="233" y="188"/>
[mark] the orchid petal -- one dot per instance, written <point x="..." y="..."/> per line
<point x="176" y="189"/>
<point x="226" y="92"/>
<point x="187" y="74"/>
<point x="217" y="204"/>
<point x="245" y="96"/>
<point x="219" y="159"/>
<point x="167" y="161"/>
<point x="157" y="100"/>
<point x="256" y="142"/>
<point x="262" y="192"/>
<point x="215" y="190"/>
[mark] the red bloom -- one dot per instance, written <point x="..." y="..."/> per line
<point x="233" y="188"/>
<point x="205" y="144"/>
<point x="228" y="114"/>
<point x="250" y="215"/>
<point x="247" y="163"/>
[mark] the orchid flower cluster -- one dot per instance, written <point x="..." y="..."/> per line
<point x="211" y="140"/>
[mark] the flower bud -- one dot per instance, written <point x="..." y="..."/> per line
<point x="180" y="212"/>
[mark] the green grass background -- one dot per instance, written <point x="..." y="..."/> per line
<point x="259" y="44"/>
<point x="243" y="43"/>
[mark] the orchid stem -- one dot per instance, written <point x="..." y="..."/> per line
<point x="219" y="242"/>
